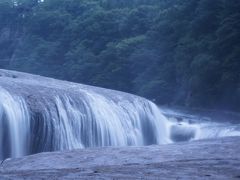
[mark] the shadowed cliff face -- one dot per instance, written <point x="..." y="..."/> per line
<point x="42" y="114"/>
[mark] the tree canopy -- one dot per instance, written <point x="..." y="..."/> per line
<point x="178" y="52"/>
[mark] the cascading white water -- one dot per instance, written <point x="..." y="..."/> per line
<point x="89" y="121"/>
<point x="215" y="130"/>
<point x="201" y="130"/>
<point x="14" y="125"/>
<point x="192" y="127"/>
<point x="40" y="114"/>
<point x="97" y="121"/>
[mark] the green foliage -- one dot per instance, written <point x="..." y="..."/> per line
<point x="183" y="52"/>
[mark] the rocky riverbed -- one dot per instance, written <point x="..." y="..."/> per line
<point x="204" y="159"/>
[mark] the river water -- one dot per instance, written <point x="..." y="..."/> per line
<point x="39" y="114"/>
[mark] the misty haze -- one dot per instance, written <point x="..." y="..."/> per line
<point x="119" y="89"/>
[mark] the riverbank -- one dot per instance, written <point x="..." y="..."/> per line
<point x="215" y="159"/>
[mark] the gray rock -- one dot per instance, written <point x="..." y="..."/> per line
<point x="205" y="159"/>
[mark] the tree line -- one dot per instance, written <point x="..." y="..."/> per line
<point x="178" y="52"/>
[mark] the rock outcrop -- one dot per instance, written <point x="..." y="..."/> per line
<point x="205" y="159"/>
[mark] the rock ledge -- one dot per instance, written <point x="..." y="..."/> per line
<point x="206" y="159"/>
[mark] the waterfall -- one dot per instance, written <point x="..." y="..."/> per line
<point x="87" y="120"/>
<point x="14" y="125"/>
<point x="39" y="114"/>
<point x="187" y="127"/>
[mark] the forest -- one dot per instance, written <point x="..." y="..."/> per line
<point x="173" y="52"/>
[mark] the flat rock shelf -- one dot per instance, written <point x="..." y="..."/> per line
<point x="204" y="159"/>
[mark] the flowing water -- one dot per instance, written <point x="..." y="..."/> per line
<point x="63" y="122"/>
<point x="14" y="125"/>
<point x="40" y="114"/>
<point x="190" y="126"/>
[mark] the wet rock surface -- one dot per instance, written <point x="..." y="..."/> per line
<point x="42" y="114"/>
<point x="205" y="159"/>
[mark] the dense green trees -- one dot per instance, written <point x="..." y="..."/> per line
<point x="183" y="52"/>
